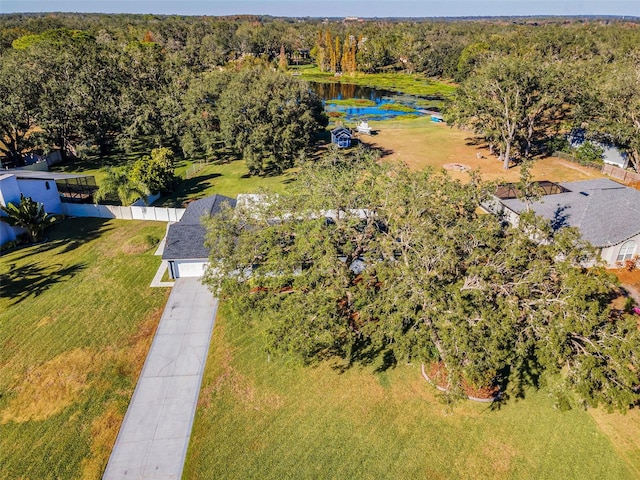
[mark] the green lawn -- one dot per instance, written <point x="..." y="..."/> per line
<point x="261" y="418"/>
<point x="224" y="178"/>
<point x="227" y="179"/>
<point x="77" y="317"/>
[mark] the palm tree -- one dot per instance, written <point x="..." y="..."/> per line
<point x="118" y="182"/>
<point x="29" y="215"/>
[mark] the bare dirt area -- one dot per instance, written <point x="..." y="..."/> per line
<point x="421" y="144"/>
<point x="630" y="280"/>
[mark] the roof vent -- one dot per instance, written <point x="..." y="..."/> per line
<point x="584" y="193"/>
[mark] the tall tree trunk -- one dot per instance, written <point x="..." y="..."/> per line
<point x="507" y="152"/>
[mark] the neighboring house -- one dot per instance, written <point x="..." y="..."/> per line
<point x="184" y="249"/>
<point x="70" y="187"/>
<point x="341" y="136"/>
<point x="42" y="191"/>
<point x="606" y="213"/>
<point x="611" y="155"/>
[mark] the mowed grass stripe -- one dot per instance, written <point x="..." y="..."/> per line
<point x="77" y="317"/>
<point x="272" y="419"/>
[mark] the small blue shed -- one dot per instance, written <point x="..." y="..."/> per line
<point x="341" y="137"/>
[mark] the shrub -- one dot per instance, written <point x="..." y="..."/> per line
<point x="589" y="152"/>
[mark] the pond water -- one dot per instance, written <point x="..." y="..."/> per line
<point x="355" y="102"/>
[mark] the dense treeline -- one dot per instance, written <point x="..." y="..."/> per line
<point x="436" y="48"/>
<point x="97" y="80"/>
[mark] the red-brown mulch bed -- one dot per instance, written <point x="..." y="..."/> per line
<point x="436" y="374"/>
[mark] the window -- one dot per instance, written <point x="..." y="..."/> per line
<point x="626" y="252"/>
<point x="46" y="184"/>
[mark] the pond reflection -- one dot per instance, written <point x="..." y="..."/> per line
<point x="381" y="105"/>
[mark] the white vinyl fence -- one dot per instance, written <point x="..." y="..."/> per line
<point x="159" y="214"/>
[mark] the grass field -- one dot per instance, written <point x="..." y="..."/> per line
<point x="265" y="419"/>
<point x="77" y="317"/>
<point x="417" y="141"/>
<point x="421" y="143"/>
<point x="227" y="179"/>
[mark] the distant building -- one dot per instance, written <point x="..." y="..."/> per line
<point x="610" y="156"/>
<point x="341" y="136"/>
<point x="363" y="127"/>
<point x="606" y="213"/>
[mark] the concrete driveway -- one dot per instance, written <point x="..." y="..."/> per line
<point x="154" y="436"/>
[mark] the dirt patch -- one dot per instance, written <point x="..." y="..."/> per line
<point x="457" y="166"/>
<point x="51" y="387"/>
<point x="44" y="321"/>
<point x="630" y="280"/>
<point x="104" y="430"/>
<point x="129" y="361"/>
<point x="423" y="145"/>
<point x="131" y="358"/>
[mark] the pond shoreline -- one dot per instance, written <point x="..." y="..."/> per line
<point x="352" y="102"/>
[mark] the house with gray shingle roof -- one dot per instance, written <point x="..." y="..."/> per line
<point x="606" y="213"/>
<point x="184" y="249"/>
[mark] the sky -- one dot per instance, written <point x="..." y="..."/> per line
<point x="333" y="8"/>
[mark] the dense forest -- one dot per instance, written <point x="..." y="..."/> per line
<point x="89" y="82"/>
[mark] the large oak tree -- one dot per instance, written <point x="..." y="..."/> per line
<point x="268" y="117"/>
<point x="366" y="260"/>
<point x="514" y="101"/>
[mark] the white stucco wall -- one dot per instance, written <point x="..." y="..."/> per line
<point x="7" y="233"/>
<point x="610" y="254"/>
<point x="37" y="190"/>
<point x="9" y="189"/>
<point x="613" y="156"/>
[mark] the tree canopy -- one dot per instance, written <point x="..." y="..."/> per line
<point x="78" y="80"/>
<point x="155" y="172"/>
<point x="269" y="117"/>
<point x="120" y="184"/>
<point x="366" y="260"/>
<point x="618" y="116"/>
<point x="514" y="101"/>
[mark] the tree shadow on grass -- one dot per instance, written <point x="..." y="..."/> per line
<point x="189" y="189"/>
<point x="289" y="180"/>
<point x="79" y="231"/>
<point x="384" y="152"/>
<point x="70" y="234"/>
<point x="33" y="279"/>
<point x="387" y="361"/>
<point x="476" y="141"/>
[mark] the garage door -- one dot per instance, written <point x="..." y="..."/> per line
<point x="185" y="268"/>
